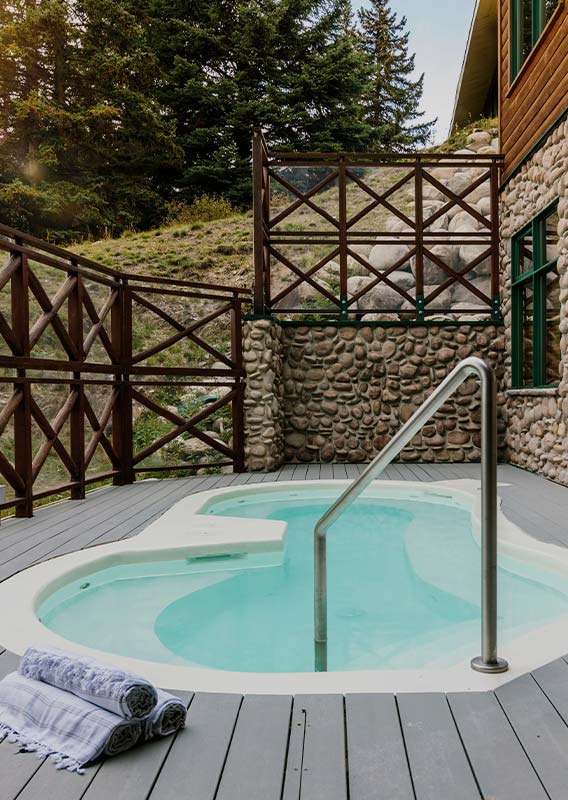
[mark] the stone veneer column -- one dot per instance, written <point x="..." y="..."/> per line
<point x="537" y="436"/>
<point x="264" y="441"/>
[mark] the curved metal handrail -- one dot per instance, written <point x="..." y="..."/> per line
<point x="489" y="660"/>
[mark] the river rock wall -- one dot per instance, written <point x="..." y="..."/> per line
<point x="263" y="408"/>
<point x="341" y="392"/>
<point x="348" y="390"/>
<point x="537" y="419"/>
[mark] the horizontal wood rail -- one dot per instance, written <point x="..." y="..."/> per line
<point x="93" y="364"/>
<point x="317" y="216"/>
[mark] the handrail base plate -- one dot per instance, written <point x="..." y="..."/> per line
<point x="479" y="665"/>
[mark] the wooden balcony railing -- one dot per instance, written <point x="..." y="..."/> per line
<point x="94" y="364"/>
<point x="344" y="235"/>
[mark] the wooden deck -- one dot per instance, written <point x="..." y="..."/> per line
<point x="511" y="744"/>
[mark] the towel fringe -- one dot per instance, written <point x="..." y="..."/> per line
<point x="60" y="760"/>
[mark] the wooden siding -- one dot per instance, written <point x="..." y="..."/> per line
<point x="539" y="93"/>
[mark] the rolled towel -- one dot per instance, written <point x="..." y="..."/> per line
<point x="166" y="718"/>
<point x="119" y="692"/>
<point x="50" y="722"/>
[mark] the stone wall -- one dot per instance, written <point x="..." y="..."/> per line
<point x="263" y="422"/>
<point x="339" y="393"/>
<point x="537" y="419"/>
<point x="348" y="390"/>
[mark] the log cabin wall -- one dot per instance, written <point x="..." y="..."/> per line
<point x="536" y="97"/>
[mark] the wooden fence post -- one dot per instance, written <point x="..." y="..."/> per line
<point x="77" y="416"/>
<point x="121" y="325"/>
<point x="237" y="406"/>
<point x="22" y="414"/>
<point x="495" y="241"/>
<point x="419" y="222"/>
<point x="258" y="190"/>
<point x="342" y="185"/>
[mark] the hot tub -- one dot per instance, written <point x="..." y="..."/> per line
<point x="218" y="593"/>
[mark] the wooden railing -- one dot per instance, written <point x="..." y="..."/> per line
<point x="317" y="216"/>
<point x="93" y="363"/>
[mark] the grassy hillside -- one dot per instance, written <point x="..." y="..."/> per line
<point x="214" y="251"/>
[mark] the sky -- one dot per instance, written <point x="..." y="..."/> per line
<point x="438" y="36"/>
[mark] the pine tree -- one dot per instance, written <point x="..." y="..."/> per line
<point x="392" y="101"/>
<point x="287" y="65"/>
<point x="82" y="134"/>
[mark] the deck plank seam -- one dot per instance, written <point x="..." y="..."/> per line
<point x="229" y="744"/>
<point x="406" y="755"/>
<point x="287" y="753"/>
<point x="464" y="748"/>
<point x="552" y="703"/>
<point x="346" y="747"/>
<point x="521" y="745"/>
<point x="166" y="756"/>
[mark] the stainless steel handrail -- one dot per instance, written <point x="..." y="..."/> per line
<point x="489" y="660"/>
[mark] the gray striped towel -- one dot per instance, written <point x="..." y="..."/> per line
<point x="50" y="722"/>
<point x="119" y="692"/>
<point x="166" y="718"/>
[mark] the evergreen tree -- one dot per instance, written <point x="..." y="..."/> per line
<point x="393" y="97"/>
<point x="110" y="108"/>
<point x="288" y="65"/>
<point x="82" y="136"/>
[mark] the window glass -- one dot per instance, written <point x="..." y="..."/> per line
<point x="549" y="9"/>
<point x="551" y="237"/>
<point x="529" y="20"/>
<point x="525" y="263"/>
<point x="525" y="29"/>
<point x="527" y="334"/>
<point x="536" y="303"/>
<point x="552" y="333"/>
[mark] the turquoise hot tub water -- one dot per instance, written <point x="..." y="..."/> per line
<point x="404" y="592"/>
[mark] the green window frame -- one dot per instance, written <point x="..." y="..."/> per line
<point x="529" y="18"/>
<point x="535" y="313"/>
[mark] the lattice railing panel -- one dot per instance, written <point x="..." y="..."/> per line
<point x="83" y="348"/>
<point x="376" y="237"/>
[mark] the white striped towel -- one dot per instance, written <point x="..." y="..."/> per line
<point x="50" y="722"/>
<point x="119" y="692"/>
<point x="166" y="718"/>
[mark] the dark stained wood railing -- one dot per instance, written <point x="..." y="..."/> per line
<point x="313" y="210"/>
<point x="89" y="352"/>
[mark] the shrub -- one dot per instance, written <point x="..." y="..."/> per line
<point x="206" y="208"/>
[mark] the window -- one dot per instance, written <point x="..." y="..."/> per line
<point x="536" y="303"/>
<point x="529" y="19"/>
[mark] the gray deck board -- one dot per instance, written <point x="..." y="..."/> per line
<point x="255" y="764"/>
<point x="198" y="754"/>
<point x="541" y="731"/>
<point x="378" y="767"/>
<point x="553" y="680"/>
<point x="499" y="762"/>
<point x="326" y="472"/>
<point x="49" y="782"/>
<point x="300" y="472"/>
<point x="316" y="758"/>
<point x="339" y="472"/>
<point x="313" y="472"/>
<point x="437" y="759"/>
<point x="507" y="745"/>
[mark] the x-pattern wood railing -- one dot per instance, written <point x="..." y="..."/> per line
<point x="281" y="243"/>
<point x="69" y="328"/>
